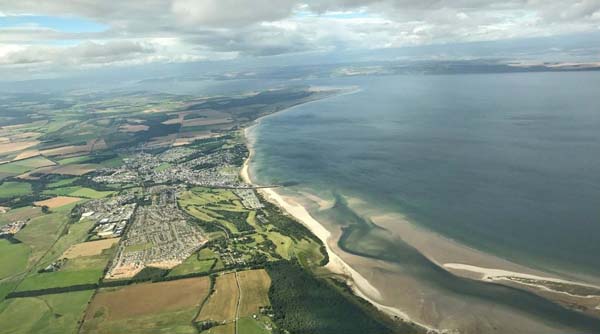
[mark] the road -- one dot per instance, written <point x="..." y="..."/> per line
<point x="237" y="308"/>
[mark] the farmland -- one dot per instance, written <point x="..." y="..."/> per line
<point x="56" y="313"/>
<point x="89" y="248"/>
<point x="59" y="279"/>
<point x="14" y="189"/>
<point x="41" y="233"/>
<point x="237" y="300"/>
<point x="87" y="268"/>
<point x="134" y="204"/>
<point x="22" y="166"/>
<point x="77" y="191"/>
<point x="222" y="304"/>
<point x="17" y="214"/>
<point x="149" y="307"/>
<point x="252" y="326"/>
<point x="254" y="287"/>
<point x="57" y="201"/>
<point x="13" y="258"/>
<point x="17" y="146"/>
<point x="193" y="264"/>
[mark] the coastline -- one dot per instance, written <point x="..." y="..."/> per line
<point x="449" y="255"/>
<point x="359" y="285"/>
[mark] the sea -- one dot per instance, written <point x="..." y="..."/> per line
<point x="508" y="164"/>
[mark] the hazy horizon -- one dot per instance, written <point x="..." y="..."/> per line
<point x="61" y="39"/>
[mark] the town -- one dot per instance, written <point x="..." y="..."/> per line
<point x="179" y="165"/>
<point x="159" y="236"/>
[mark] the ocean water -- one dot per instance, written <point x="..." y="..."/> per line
<point x="505" y="163"/>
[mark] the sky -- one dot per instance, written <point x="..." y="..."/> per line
<point x="64" y="35"/>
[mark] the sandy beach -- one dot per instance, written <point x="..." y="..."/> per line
<point x="359" y="284"/>
<point x="336" y="264"/>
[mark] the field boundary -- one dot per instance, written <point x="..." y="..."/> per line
<point x="51" y="291"/>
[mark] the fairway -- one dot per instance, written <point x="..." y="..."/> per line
<point x="222" y="304"/>
<point x="283" y="243"/>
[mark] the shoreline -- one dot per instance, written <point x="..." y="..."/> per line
<point x="359" y="285"/>
<point x="451" y="256"/>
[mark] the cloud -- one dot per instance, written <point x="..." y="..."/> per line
<point x="217" y="29"/>
<point x="230" y="12"/>
<point x="86" y="53"/>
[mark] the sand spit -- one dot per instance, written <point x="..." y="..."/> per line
<point x="493" y="274"/>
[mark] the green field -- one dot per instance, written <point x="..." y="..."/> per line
<point x="41" y="232"/>
<point x="48" y="314"/>
<point x="81" y="270"/>
<point x="112" y="163"/>
<point x="13" y="258"/>
<point x="74" y="160"/>
<point x="76" y="233"/>
<point x="223" y="329"/>
<point x="77" y="191"/>
<point x="61" y="183"/>
<point x="6" y="288"/>
<point x="22" y="166"/>
<point x="40" y="281"/>
<point x="14" y="189"/>
<point x="193" y="265"/>
<point x="251" y="326"/>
